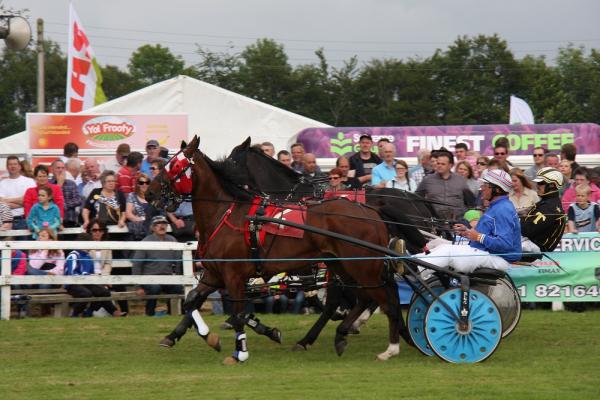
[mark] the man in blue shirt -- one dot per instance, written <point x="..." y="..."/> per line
<point x="496" y="240"/>
<point x="385" y="171"/>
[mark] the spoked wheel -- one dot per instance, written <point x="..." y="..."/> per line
<point x="473" y="344"/>
<point x="505" y="296"/>
<point x="416" y="317"/>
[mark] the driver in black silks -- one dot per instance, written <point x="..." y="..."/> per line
<point x="544" y="225"/>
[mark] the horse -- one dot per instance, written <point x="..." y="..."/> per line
<point x="403" y="211"/>
<point x="221" y="208"/>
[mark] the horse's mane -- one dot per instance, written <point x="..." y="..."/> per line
<point x="266" y="175"/>
<point x="231" y="177"/>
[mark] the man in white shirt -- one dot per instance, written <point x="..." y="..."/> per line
<point x="12" y="190"/>
<point x="92" y="168"/>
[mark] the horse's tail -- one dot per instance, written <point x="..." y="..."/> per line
<point x="403" y="227"/>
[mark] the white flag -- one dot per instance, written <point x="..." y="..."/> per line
<point x="84" y="79"/>
<point x="520" y="112"/>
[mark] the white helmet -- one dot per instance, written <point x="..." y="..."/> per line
<point x="550" y="175"/>
<point x="499" y="178"/>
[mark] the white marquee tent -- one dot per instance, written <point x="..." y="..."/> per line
<point x="221" y="118"/>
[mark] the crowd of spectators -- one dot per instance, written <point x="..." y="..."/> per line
<point x="86" y="193"/>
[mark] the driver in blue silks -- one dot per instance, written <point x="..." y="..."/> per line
<point x="496" y="240"/>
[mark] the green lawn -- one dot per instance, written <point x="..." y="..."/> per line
<point x="549" y="356"/>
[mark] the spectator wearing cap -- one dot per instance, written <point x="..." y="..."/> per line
<point x="153" y="153"/>
<point x="157" y="262"/>
<point x="363" y="162"/>
<point x="127" y="174"/>
<point x="385" y="171"/>
<point x="121" y="155"/>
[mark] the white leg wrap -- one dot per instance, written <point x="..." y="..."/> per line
<point x="392" y="350"/>
<point x="241" y="353"/>
<point x="200" y="324"/>
<point x="362" y="319"/>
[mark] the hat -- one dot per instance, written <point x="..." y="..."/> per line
<point x="472" y="215"/>
<point x="365" y="135"/>
<point x="152" y="142"/>
<point x="123" y="149"/>
<point x="159" y="219"/>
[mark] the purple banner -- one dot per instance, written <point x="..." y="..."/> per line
<point x="335" y="142"/>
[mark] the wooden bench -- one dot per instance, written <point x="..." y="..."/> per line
<point x="62" y="299"/>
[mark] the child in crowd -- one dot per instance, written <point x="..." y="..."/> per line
<point x="44" y="213"/>
<point x="584" y="216"/>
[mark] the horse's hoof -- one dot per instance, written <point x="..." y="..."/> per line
<point x="299" y="347"/>
<point x="383" y="356"/>
<point x="230" y="361"/>
<point x="166" y="342"/>
<point x="275" y="335"/>
<point x="340" y="347"/>
<point x="213" y="340"/>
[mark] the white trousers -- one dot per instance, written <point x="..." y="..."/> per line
<point x="528" y="246"/>
<point x="463" y="258"/>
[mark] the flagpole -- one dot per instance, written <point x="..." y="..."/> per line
<point x="41" y="84"/>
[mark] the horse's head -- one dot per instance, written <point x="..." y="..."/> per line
<point x="174" y="182"/>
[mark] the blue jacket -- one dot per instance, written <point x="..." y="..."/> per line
<point x="38" y="215"/>
<point x="501" y="230"/>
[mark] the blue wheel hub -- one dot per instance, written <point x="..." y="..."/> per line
<point x="473" y="343"/>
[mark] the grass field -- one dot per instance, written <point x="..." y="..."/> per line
<point x="549" y="356"/>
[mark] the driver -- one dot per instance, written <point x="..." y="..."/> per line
<point x="494" y="242"/>
<point x="543" y="226"/>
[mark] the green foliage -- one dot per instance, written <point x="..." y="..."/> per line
<point x="151" y="64"/>
<point x="549" y="356"/>
<point x="470" y="82"/>
<point x="18" y="86"/>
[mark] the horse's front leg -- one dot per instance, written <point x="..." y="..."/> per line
<point x="237" y="320"/>
<point x="192" y="317"/>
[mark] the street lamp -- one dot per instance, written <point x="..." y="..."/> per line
<point x="15" y="31"/>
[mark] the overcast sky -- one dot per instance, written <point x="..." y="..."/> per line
<point x="365" y="28"/>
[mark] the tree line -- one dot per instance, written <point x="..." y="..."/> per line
<point x="470" y="82"/>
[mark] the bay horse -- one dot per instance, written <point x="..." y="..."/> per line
<point x="220" y="210"/>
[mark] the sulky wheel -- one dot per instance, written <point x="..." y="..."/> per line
<point x="505" y="296"/>
<point x="416" y="317"/>
<point x="473" y="344"/>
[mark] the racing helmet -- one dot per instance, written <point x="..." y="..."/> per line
<point x="498" y="177"/>
<point x="550" y="175"/>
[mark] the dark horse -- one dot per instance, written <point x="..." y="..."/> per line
<point x="221" y="220"/>
<point x="402" y="211"/>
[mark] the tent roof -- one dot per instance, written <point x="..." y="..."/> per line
<point x="222" y="119"/>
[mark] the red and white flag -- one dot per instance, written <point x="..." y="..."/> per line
<point x="84" y="79"/>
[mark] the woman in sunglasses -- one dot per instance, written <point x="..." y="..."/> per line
<point x="480" y="166"/>
<point x="335" y="180"/>
<point x="138" y="211"/>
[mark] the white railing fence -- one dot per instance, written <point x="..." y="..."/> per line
<point x="7" y="279"/>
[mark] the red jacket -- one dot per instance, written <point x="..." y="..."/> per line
<point x="126" y="180"/>
<point x="30" y="198"/>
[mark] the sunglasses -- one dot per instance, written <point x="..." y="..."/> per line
<point x="333" y="177"/>
<point x="499" y="154"/>
<point x="483" y="164"/>
<point x="538" y="155"/>
<point x="153" y="168"/>
<point x="143" y="182"/>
